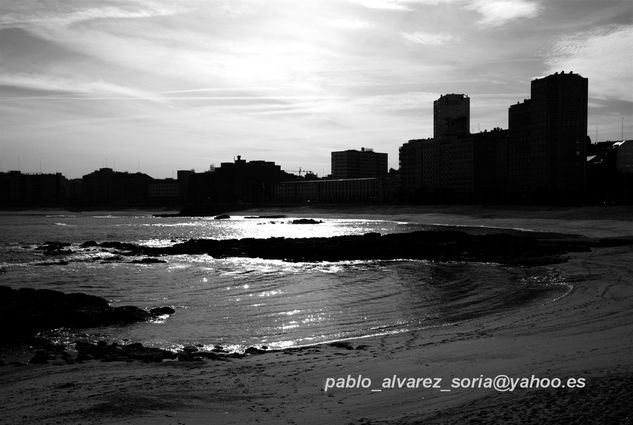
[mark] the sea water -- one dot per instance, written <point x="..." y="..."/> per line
<point x="240" y="302"/>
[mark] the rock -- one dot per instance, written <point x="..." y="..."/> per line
<point x="23" y="312"/>
<point x="306" y="221"/>
<point x="254" y="350"/>
<point x="342" y="344"/>
<point x="123" y="314"/>
<point x="52" y="245"/>
<point x="507" y="247"/>
<point x="88" y="244"/>
<point x="159" y="311"/>
<point x="148" y="260"/>
<point x="113" y="259"/>
<point x="189" y="349"/>
<point x="210" y="356"/>
<point x="113" y="352"/>
<point x="122" y="246"/>
<point x="222" y="217"/>
<point x="188" y="357"/>
<point x="54" y="248"/>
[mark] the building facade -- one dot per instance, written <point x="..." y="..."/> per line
<point x="548" y="140"/>
<point x="21" y="190"/>
<point x="241" y="181"/>
<point x="490" y="170"/>
<point x="451" y="116"/>
<point x="353" y="164"/>
<point x="330" y="191"/>
<point x="624" y="157"/>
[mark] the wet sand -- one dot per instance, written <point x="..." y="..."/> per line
<point x="586" y="334"/>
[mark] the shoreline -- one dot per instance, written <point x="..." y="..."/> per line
<point x="585" y="334"/>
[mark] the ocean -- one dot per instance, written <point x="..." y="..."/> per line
<point x="241" y="302"/>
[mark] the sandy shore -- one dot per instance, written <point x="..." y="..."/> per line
<point x="587" y="334"/>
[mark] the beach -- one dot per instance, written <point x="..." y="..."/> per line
<point x="586" y="334"/>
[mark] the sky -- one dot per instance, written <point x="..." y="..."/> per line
<point x="157" y="86"/>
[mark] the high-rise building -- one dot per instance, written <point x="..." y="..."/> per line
<point x="451" y="116"/>
<point x="526" y="159"/>
<point x="456" y="172"/>
<point x="490" y="153"/>
<point x="419" y="168"/>
<point x="547" y="143"/>
<point x="353" y="164"/>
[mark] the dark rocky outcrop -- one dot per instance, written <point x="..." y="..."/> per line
<point x="148" y="260"/>
<point x="342" y="344"/>
<point x="509" y="247"/>
<point x="54" y="248"/>
<point x="114" y="352"/>
<point x="306" y="221"/>
<point x="222" y="217"/>
<point x="159" y="311"/>
<point x="26" y="311"/>
<point x="121" y="246"/>
<point x="254" y="350"/>
<point x="504" y="247"/>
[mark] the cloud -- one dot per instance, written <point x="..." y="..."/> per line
<point x="431" y="39"/>
<point x="47" y="16"/>
<point x="397" y="4"/>
<point x="382" y="4"/>
<point x="499" y="12"/>
<point x="48" y="83"/>
<point x="493" y="13"/>
<point x="603" y="55"/>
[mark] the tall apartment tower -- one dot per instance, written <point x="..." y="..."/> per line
<point x="451" y="132"/>
<point x="419" y="168"/>
<point x="451" y="116"/>
<point x="547" y="145"/>
<point x="559" y="105"/>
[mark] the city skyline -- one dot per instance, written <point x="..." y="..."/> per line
<point x="161" y="86"/>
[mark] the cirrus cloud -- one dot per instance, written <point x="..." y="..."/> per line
<point x="431" y="39"/>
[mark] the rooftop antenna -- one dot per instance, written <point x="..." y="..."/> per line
<point x="19" y="165"/>
<point x="622" y="128"/>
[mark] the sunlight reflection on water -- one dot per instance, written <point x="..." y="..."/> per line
<point x="237" y="302"/>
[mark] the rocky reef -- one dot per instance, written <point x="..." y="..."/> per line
<point x="25" y="311"/>
<point x="504" y="247"/>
